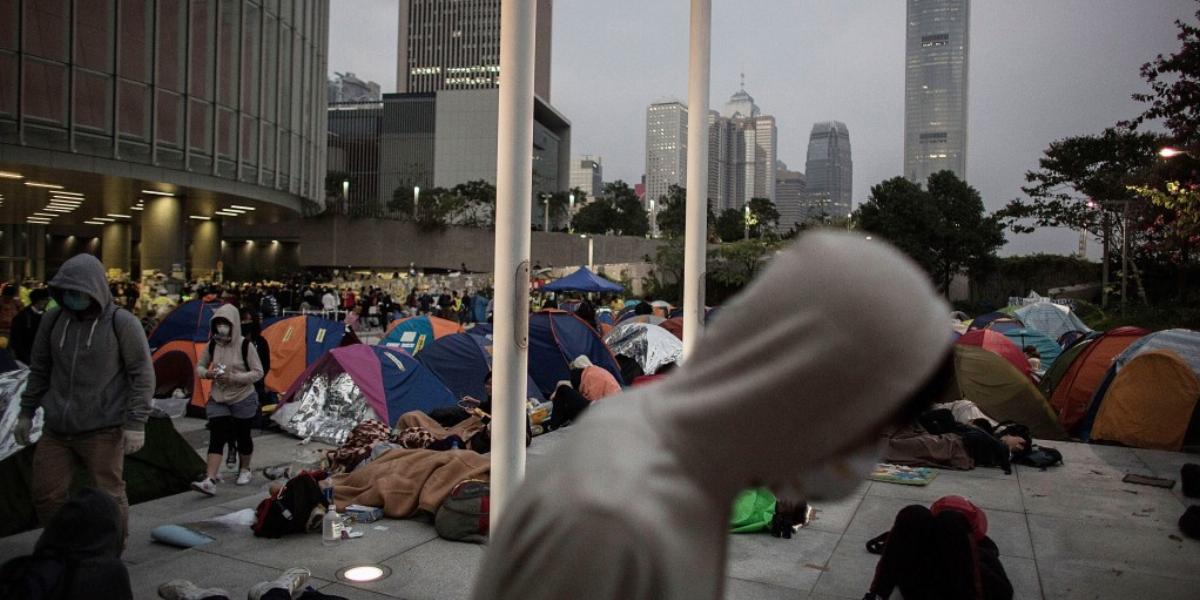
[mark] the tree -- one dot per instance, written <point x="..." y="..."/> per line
<point x="943" y="228"/>
<point x="673" y="215"/>
<point x="735" y="264"/>
<point x="764" y="217"/>
<point x="1174" y="81"/>
<point x="731" y="225"/>
<point x="630" y="216"/>
<point x="597" y="216"/>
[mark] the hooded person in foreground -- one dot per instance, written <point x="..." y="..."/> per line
<point x="90" y="372"/>
<point x="789" y="389"/>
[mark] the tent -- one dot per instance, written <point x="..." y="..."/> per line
<point x="176" y="345"/>
<point x="982" y="321"/>
<point x="297" y="342"/>
<point x="1046" y="346"/>
<point x="1071" y="338"/>
<point x="1072" y="394"/>
<point x="650" y="346"/>
<point x="1150" y="403"/>
<point x="1184" y="343"/>
<point x="555" y="339"/>
<point x="997" y="344"/>
<point x="413" y="333"/>
<point x="1001" y="391"/>
<point x="1055" y="374"/>
<point x="1005" y="324"/>
<point x="674" y="325"/>
<point x="1054" y="320"/>
<point x="648" y="319"/>
<point x="583" y="280"/>
<point x="389" y="381"/>
<point x="462" y="361"/>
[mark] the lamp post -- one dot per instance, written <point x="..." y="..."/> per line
<point x="848" y="215"/>
<point x="746" y="219"/>
<point x="416" y="200"/>
<point x="346" y="194"/>
<point x="571" y="214"/>
<point x="695" y="226"/>
<point x="1170" y="152"/>
<point x="653" y="219"/>
<point x="545" y="212"/>
<point x="591" y="247"/>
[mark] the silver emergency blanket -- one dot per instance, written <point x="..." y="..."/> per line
<point x="11" y="386"/>
<point x="650" y="346"/>
<point x="327" y="409"/>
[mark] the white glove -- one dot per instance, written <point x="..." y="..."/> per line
<point x="23" y="429"/>
<point x="134" y="440"/>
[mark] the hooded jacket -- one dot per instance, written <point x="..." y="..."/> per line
<point x="804" y="367"/>
<point x="239" y="384"/>
<point x="91" y="370"/>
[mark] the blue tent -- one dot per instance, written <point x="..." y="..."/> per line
<point x="1053" y="320"/>
<point x="555" y="339"/>
<point x="188" y="322"/>
<point x="1046" y="347"/>
<point x="583" y="280"/>
<point x="462" y="361"/>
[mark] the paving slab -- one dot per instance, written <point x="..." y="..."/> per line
<point x="835" y="517"/>
<point x="740" y="589"/>
<point x="437" y="569"/>
<point x="1101" y="501"/>
<point x="849" y="571"/>
<point x="794" y="563"/>
<point x="1073" y="583"/>
<point x="1129" y="547"/>
<point x="352" y="593"/>
<point x="992" y="493"/>
<point x="205" y="570"/>
<point x="1023" y="575"/>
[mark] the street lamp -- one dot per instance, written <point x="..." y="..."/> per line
<point x="416" y="200"/>
<point x="571" y="215"/>
<point x="653" y="219"/>
<point x="1169" y="152"/>
<point x="591" y="246"/>
<point x="746" y="218"/>
<point x="848" y="215"/>
<point x="346" y="194"/>
<point x="545" y="212"/>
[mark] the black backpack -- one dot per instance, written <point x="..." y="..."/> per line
<point x="246" y="341"/>
<point x="292" y="510"/>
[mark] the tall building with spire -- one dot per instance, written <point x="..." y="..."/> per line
<point x="743" y="150"/>
<point x="935" y="88"/>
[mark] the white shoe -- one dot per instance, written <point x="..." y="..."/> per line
<point x="291" y="581"/>
<point x="244" y="477"/>
<point x="180" y="589"/>
<point x="205" y="486"/>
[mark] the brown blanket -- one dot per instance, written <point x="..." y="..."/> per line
<point x="403" y="481"/>
<point x="912" y="446"/>
<point x="465" y="429"/>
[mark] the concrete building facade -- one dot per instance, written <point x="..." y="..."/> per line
<point x="587" y="174"/>
<point x="791" y="188"/>
<point x="346" y="87"/>
<point x="666" y="148"/>
<point x="455" y="45"/>
<point x="133" y="121"/>
<point x="937" y="51"/>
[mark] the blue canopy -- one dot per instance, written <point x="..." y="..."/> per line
<point x="583" y="280"/>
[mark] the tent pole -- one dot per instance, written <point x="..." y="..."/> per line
<point x="695" y="225"/>
<point x="514" y="198"/>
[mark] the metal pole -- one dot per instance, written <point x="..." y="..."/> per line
<point x="746" y="221"/>
<point x="695" y="227"/>
<point x="1124" y="253"/>
<point x="1104" y="267"/>
<point x="591" y="253"/>
<point x="546" y="214"/>
<point x="416" y="200"/>
<point x="514" y="194"/>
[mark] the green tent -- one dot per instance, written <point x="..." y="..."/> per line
<point x="166" y="465"/>
<point x="1002" y="392"/>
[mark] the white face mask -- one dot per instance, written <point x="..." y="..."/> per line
<point x="224" y="330"/>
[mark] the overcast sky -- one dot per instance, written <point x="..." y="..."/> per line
<point x="1039" y="70"/>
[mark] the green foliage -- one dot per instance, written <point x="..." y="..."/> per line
<point x="943" y="228"/>
<point x="618" y="211"/>
<point x="1174" y="80"/>
<point x="597" y="216"/>
<point x="672" y="216"/>
<point x="735" y="264"/>
<point x="731" y="225"/>
<point x="764" y="217"/>
<point x="663" y="282"/>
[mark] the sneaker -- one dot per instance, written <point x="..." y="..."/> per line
<point x="244" y="477"/>
<point x="205" y="486"/>
<point x="231" y="460"/>
<point x="278" y="472"/>
<point x="180" y="589"/>
<point x="291" y="581"/>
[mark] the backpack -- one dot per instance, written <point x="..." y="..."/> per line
<point x="1042" y="457"/>
<point x="246" y="341"/>
<point x="296" y="508"/>
<point x="463" y="516"/>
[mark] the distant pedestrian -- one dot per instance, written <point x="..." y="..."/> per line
<point x="25" y="325"/>
<point x="10" y="305"/>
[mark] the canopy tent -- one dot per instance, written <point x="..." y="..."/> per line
<point x="353" y="383"/>
<point x="462" y="361"/>
<point x="1150" y="404"/>
<point x="1001" y="391"/>
<point x="1054" y="320"/>
<point x="1183" y="343"/>
<point x="997" y="344"/>
<point x="1073" y="393"/>
<point x="650" y="346"/>
<point x="412" y="334"/>
<point x="1046" y="346"/>
<point x="583" y="280"/>
<point x="297" y="342"/>
<point x="555" y="339"/>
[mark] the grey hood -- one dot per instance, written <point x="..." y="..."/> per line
<point x="83" y="273"/>
<point x="805" y="365"/>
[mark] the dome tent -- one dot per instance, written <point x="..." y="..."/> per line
<point x="297" y="342"/>
<point x="1072" y="394"/>
<point x="1054" y="320"/>
<point x="1001" y="391"/>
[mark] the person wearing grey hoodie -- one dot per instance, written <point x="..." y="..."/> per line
<point x="231" y="362"/>
<point x="90" y="373"/>
<point x="788" y="389"/>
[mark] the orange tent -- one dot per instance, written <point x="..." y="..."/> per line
<point x="1150" y="403"/>
<point x="1074" y="392"/>
<point x="175" y="368"/>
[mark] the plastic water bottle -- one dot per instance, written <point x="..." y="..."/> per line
<point x="331" y="524"/>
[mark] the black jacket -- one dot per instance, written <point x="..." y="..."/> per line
<point x="24" y="329"/>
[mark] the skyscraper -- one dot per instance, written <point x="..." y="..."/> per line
<point x="666" y="147"/>
<point x="345" y="87"/>
<point x="935" y="88"/>
<point x="455" y="45"/>
<point x="743" y="146"/>
<point x="587" y="174"/>
<point x="830" y="171"/>
<point x="790" y="190"/>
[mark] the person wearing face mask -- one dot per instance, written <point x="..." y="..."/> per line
<point x="638" y="506"/>
<point x="90" y="372"/>
<point x="231" y="362"/>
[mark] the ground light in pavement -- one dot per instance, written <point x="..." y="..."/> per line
<point x="364" y="573"/>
